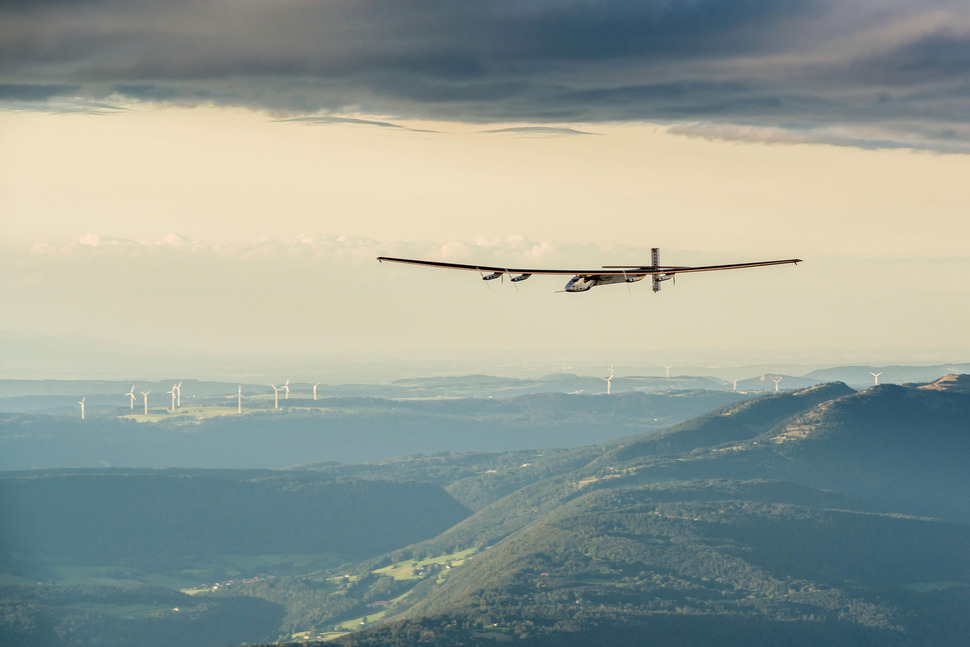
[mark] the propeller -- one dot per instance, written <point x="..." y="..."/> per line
<point x="485" y="280"/>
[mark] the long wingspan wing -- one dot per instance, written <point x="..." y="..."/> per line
<point x="732" y="266"/>
<point x="605" y="271"/>
<point x="489" y="268"/>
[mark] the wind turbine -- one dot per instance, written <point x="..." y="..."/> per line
<point x="608" y="380"/>
<point x="668" y="371"/>
<point x="178" y="394"/>
<point x="82" y="406"/>
<point x="239" y="396"/>
<point x="734" y="382"/>
<point x="276" y="396"/>
<point x="145" y="394"/>
<point x="131" y="394"/>
<point x="173" y="397"/>
<point x="776" y="380"/>
<point x="876" y="376"/>
<point x="286" y="387"/>
<point x="315" y="390"/>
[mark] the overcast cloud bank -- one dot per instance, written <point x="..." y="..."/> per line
<point x="875" y="74"/>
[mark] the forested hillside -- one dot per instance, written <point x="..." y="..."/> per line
<point x="118" y="517"/>
<point x="740" y="560"/>
<point x="776" y="520"/>
<point x="902" y="449"/>
<point x="52" y="615"/>
<point x="91" y="556"/>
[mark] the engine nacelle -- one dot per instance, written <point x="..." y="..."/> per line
<point x="657" y="278"/>
<point x="520" y="277"/>
<point x="493" y="275"/>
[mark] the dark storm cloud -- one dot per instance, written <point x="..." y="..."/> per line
<point x="898" y="67"/>
<point x="691" y="29"/>
<point x="159" y="93"/>
<point x="939" y="56"/>
<point x="35" y="92"/>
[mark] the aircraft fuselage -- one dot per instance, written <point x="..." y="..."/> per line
<point x="582" y="283"/>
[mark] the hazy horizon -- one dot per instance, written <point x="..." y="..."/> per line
<point x="68" y="361"/>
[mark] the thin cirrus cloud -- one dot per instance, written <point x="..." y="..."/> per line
<point x="897" y="71"/>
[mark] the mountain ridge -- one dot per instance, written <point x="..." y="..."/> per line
<point x="808" y="514"/>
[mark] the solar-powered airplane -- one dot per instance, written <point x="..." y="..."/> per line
<point x="583" y="280"/>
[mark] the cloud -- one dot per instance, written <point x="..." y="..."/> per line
<point x="774" y="135"/>
<point x="174" y="244"/>
<point x="539" y="130"/>
<point x="327" y="249"/>
<point x="903" y="67"/>
<point x="330" y="119"/>
<point x="35" y="91"/>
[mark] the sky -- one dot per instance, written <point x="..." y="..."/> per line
<point x="208" y="180"/>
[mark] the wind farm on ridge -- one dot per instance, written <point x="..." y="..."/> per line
<point x="209" y="399"/>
